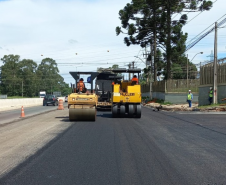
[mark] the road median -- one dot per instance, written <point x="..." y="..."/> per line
<point x="10" y="104"/>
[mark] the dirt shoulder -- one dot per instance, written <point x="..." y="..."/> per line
<point x="185" y="107"/>
<point x="22" y="139"/>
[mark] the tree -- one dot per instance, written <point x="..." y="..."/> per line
<point x="115" y="66"/>
<point x="10" y="79"/>
<point x="173" y="28"/>
<point x="47" y="72"/>
<point x="65" y="89"/>
<point x="142" y="78"/>
<point x="27" y="78"/>
<point x="27" y="71"/>
<point x="149" y="22"/>
<point x="179" y="69"/>
<point x="101" y="69"/>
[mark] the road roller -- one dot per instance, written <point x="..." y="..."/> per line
<point x="126" y="96"/>
<point x="82" y="102"/>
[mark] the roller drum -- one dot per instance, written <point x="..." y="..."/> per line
<point x="82" y="114"/>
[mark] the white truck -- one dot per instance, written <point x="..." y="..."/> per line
<point x="42" y="94"/>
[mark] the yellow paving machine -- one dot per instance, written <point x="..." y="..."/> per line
<point x="82" y="104"/>
<point x="126" y="96"/>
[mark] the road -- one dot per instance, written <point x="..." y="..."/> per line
<point x="160" y="148"/>
<point x="14" y="114"/>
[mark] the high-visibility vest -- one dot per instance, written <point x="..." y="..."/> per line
<point x="80" y="86"/>
<point x="135" y="80"/>
<point x="211" y="94"/>
<point x="189" y="96"/>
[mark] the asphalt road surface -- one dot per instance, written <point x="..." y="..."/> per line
<point x="160" y="148"/>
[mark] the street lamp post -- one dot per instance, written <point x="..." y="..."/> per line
<point x="191" y="61"/>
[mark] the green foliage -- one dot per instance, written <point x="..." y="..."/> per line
<point x="101" y="69"/>
<point x="115" y="66"/>
<point x="177" y="71"/>
<point x="150" y="23"/>
<point x="10" y="79"/>
<point x="179" y="68"/>
<point x="27" y="71"/>
<point x="143" y="78"/>
<point x="48" y="73"/>
<point x="25" y="77"/>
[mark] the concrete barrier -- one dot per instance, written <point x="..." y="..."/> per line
<point x="8" y="104"/>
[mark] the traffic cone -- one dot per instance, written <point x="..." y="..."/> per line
<point x="22" y="112"/>
<point x="60" y="105"/>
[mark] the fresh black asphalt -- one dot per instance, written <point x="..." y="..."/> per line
<point x="160" y="148"/>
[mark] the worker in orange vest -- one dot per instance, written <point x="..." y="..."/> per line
<point x="135" y="79"/>
<point x="81" y="85"/>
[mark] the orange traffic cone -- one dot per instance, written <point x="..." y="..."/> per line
<point x="60" y="105"/>
<point x="22" y="112"/>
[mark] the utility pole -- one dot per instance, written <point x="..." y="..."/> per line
<point x="200" y="71"/>
<point x="133" y="64"/>
<point x="215" y="67"/>
<point x="146" y="63"/>
<point x="187" y="70"/>
<point x="153" y="64"/>
<point x="129" y="65"/>
<point x="168" y="41"/>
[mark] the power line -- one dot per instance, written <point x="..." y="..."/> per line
<point x="198" y="14"/>
<point x="200" y="37"/>
<point x="203" y="31"/>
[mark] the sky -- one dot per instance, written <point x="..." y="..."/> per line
<point x="80" y="34"/>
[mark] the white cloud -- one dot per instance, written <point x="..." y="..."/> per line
<point x="61" y="28"/>
<point x="32" y="28"/>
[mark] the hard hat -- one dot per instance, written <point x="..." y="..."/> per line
<point x="189" y="90"/>
<point x="211" y="88"/>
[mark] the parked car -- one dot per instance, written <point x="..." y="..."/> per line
<point x="50" y="99"/>
<point x="66" y="98"/>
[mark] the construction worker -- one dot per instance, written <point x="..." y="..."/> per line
<point x="81" y="86"/>
<point x="211" y="95"/>
<point x="135" y="79"/>
<point x="189" y="98"/>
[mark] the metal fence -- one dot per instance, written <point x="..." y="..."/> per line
<point x="159" y="86"/>
<point x="2" y="96"/>
<point x="207" y="74"/>
<point x="177" y="86"/>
